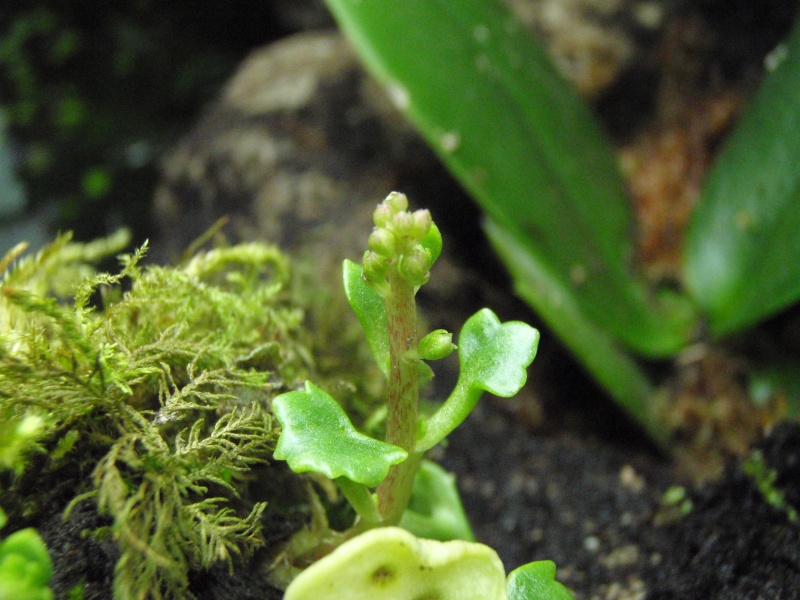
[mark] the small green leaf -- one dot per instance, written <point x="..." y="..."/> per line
<point x="371" y="313"/>
<point x="318" y="436"/>
<point x="432" y="242"/>
<point x="536" y="580"/>
<point x="435" y="511"/>
<point x="494" y="356"/>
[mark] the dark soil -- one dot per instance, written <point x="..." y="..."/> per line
<point x="596" y="510"/>
<point x="733" y="544"/>
<point x="591" y="506"/>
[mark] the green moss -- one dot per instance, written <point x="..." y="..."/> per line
<point x="154" y="388"/>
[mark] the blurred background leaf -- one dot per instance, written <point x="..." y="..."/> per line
<point x="742" y="257"/>
<point x="487" y="98"/>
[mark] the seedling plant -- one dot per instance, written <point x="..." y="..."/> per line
<point x="318" y="436"/>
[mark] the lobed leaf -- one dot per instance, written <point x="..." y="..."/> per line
<point x="494" y="356"/>
<point x="318" y="436"/>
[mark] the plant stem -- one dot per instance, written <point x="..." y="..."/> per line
<point x="401" y="417"/>
<point x="361" y="500"/>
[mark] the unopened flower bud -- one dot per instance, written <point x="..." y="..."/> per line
<point x="397" y="202"/>
<point x="374" y="267"/>
<point x="383" y="215"/>
<point x="414" y="267"/>
<point x="437" y="344"/>
<point x="422" y="223"/>
<point x="403" y="224"/>
<point x="382" y="242"/>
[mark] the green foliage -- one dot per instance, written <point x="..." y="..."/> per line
<point x="519" y="139"/>
<point x="391" y="564"/>
<point x="746" y="223"/>
<point x="486" y="97"/>
<point x="435" y="511"/>
<point x="536" y="580"/>
<point x="154" y="399"/>
<point x="318" y="436"/>
<point x="368" y="307"/>
<point x="25" y="566"/>
<point x="493" y="357"/>
<point x="766" y="478"/>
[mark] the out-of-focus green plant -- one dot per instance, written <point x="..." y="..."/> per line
<point x="488" y="100"/>
<point x="25" y="566"/>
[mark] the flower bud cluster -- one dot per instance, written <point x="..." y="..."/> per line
<point x="395" y="243"/>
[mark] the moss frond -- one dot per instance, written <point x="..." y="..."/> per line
<point x="155" y="399"/>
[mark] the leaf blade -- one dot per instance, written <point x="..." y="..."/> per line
<point x="371" y="313"/>
<point x="494" y="356"/>
<point x="318" y="436"/>
<point x="488" y="100"/>
<point x="744" y="237"/>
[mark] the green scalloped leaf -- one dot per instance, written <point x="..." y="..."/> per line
<point x="536" y="580"/>
<point x="371" y="312"/>
<point x="495" y="356"/>
<point x="318" y="436"/>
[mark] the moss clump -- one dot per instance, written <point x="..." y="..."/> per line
<point x="153" y="387"/>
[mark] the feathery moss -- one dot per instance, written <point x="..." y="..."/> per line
<point x="153" y="387"/>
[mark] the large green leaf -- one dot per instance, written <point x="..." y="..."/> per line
<point x="743" y="246"/>
<point x="488" y="100"/>
<point x="596" y="348"/>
